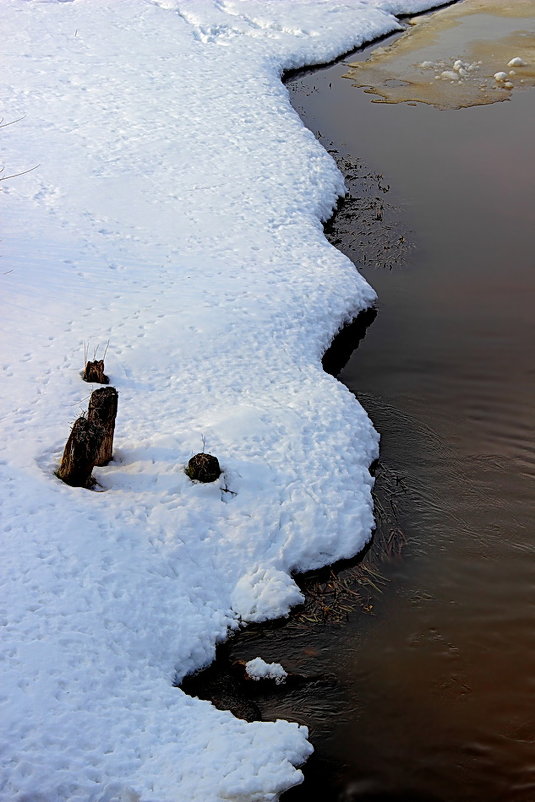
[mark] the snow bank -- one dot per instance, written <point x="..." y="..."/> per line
<point x="175" y="211"/>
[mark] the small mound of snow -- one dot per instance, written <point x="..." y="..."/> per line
<point x="258" y="669"/>
<point x="500" y="76"/>
<point x="263" y="590"/>
<point x="461" y="68"/>
<point x="449" y="75"/>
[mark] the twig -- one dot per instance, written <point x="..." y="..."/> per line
<point x="16" y="175"/>
<point x="5" y="125"/>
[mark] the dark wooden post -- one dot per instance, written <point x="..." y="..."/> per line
<point x="80" y="454"/>
<point x="94" y="372"/>
<point x="102" y="411"/>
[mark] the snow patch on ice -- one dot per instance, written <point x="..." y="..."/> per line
<point x="449" y="75"/>
<point x="456" y="70"/>
<point x="517" y="62"/>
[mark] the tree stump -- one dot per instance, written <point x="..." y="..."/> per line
<point x="80" y="453"/>
<point x="94" y="372"/>
<point x="203" y="468"/>
<point x="102" y="412"/>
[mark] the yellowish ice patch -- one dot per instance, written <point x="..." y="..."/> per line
<point x="472" y="53"/>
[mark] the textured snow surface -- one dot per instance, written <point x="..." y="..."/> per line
<point x="175" y="211"/>
<point x="258" y="669"/>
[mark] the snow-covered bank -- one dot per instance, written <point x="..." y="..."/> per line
<point x="176" y="211"/>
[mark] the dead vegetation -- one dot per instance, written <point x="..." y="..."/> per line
<point x="332" y="594"/>
<point x="366" y="226"/>
<point x="94" y="369"/>
<point x="203" y="468"/>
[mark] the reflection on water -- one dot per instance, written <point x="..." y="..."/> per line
<point x="471" y="53"/>
<point x="427" y="689"/>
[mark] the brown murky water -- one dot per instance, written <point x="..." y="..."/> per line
<point x="422" y="688"/>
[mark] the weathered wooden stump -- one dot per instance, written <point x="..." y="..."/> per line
<point x="80" y="453"/>
<point x="203" y="468"/>
<point x="94" y="372"/>
<point x="102" y="412"/>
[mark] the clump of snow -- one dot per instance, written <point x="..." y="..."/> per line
<point x="258" y="669"/>
<point x="176" y="212"/>
<point x="463" y="71"/>
<point x="456" y="70"/>
<point x="516" y="62"/>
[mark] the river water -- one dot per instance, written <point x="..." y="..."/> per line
<point x="419" y="673"/>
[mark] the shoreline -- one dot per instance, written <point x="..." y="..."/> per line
<point x="324" y="590"/>
<point x="217" y="305"/>
<point x="347" y="585"/>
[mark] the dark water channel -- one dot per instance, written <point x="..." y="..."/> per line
<point x="419" y="668"/>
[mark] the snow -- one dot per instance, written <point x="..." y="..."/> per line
<point x="449" y="75"/>
<point x="258" y="669"/>
<point x="456" y="71"/>
<point x="516" y="62"/>
<point x="175" y="211"/>
<point x="468" y="73"/>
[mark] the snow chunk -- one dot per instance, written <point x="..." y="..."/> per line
<point x="500" y="76"/>
<point x="258" y="669"/>
<point x="449" y="75"/>
<point x="265" y="593"/>
<point x="516" y="62"/>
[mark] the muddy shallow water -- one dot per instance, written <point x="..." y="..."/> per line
<point x="419" y="669"/>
